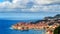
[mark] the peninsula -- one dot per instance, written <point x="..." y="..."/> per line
<point x="48" y="23"/>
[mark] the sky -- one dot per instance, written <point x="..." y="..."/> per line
<point x="21" y="9"/>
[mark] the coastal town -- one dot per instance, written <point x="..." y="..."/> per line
<point x="48" y="23"/>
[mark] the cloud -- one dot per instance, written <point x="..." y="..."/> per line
<point x="30" y="6"/>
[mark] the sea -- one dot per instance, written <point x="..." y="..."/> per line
<point x="6" y="24"/>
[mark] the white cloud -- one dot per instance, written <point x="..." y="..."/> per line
<point x="39" y="5"/>
<point x="43" y="1"/>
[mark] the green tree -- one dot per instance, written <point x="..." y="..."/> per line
<point x="57" y="30"/>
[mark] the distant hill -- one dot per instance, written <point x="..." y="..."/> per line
<point x="55" y="17"/>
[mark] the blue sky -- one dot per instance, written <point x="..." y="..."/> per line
<point x="1" y="0"/>
<point x="28" y="9"/>
<point x="26" y="16"/>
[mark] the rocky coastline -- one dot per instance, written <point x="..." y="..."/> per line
<point x="48" y="23"/>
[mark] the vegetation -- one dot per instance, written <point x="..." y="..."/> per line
<point x="57" y="30"/>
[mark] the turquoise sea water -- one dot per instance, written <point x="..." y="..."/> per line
<point x="6" y="24"/>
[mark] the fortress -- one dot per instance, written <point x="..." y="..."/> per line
<point x="48" y="23"/>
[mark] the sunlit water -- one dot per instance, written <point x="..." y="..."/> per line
<point x="6" y="24"/>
